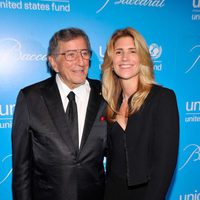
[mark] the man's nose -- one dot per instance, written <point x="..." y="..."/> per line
<point x="80" y="58"/>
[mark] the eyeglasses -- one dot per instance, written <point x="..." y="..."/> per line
<point x="71" y="55"/>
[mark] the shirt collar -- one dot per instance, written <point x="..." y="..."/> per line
<point x="80" y="91"/>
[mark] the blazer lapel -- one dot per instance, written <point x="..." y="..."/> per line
<point x="92" y="109"/>
<point x="54" y="104"/>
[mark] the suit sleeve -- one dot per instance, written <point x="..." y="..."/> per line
<point x="165" y="146"/>
<point x="21" y="150"/>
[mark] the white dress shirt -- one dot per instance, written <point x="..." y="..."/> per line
<point x="81" y="96"/>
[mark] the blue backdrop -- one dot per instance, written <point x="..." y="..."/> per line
<point x="171" y="29"/>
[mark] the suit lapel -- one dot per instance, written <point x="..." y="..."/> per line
<point x="92" y="109"/>
<point x="54" y="104"/>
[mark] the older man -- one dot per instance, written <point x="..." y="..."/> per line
<point x="59" y="132"/>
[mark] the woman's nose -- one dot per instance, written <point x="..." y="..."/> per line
<point x="124" y="56"/>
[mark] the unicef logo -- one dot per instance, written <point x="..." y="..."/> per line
<point x="155" y="50"/>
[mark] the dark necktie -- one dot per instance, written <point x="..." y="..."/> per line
<point x="72" y="119"/>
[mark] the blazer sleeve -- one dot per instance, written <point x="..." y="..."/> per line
<point x="165" y="146"/>
<point x="21" y="151"/>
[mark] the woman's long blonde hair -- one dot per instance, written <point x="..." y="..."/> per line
<point x="112" y="89"/>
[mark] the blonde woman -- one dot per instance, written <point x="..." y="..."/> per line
<point x="143" y="131"/>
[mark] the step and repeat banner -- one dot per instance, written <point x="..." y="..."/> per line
<point x="171" y="29"/>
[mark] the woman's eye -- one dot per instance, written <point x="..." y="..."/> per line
<point x="118" y="52"/>
<point x="132" y="51"/>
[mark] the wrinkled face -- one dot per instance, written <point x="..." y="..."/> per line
<point x="125" y="59"/>
<point x="72" y="72"/>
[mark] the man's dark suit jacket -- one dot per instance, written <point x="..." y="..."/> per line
<point x="45" y="166"/>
